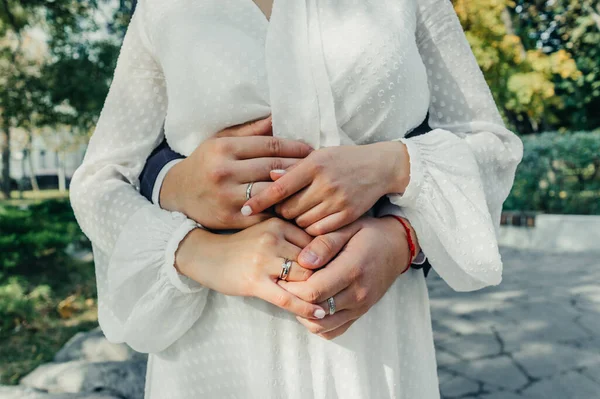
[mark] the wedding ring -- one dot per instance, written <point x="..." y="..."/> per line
<point x="249" y="190"/>
<point x="285" y="269"/>
<point x="331" y="303"/>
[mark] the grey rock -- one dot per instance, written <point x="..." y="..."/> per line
<point x="93" y="346"/>
<point x="20" y="392"/>
<point x="125" y="379"/>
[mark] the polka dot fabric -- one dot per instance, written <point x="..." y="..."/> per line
<point x="331" y="73"/>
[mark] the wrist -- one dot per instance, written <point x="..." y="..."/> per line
<point x="403" y="228"/>
<point x="185" y="253"/>
<point x="168" y="198"/>
<point x="197" y="244"/>
<point x="396" y="166"/>
<point x="396" y="234"/>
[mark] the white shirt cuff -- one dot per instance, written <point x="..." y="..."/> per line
<point x="159" y="180"/>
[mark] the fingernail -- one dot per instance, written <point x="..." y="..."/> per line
<point x="319" y="313"/>
<point x="246" y="210"/>
<point x="278" y="171"/>
<point x="310" y="257"/>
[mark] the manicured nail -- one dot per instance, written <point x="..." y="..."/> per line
<point x="319" y="313"/>
<point x="279" y="171"/>
<point x="310" y="257"/>
<point x="246" y="210"/>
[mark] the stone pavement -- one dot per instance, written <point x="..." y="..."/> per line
<point x="536" y="335"/>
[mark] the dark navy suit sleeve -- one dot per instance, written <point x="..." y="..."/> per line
<point x="162" y="155"/>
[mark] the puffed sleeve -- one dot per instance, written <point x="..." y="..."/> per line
<point x="462" y="170"/>
<point x="142" y="299"/>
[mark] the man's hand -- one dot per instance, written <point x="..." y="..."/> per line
<point x="210" y="185"/>
<point x="374" y="252"/>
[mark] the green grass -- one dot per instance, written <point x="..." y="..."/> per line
<point x="33" y="197"/>
<point x="23" y="351"/>
<point x="70" y="308"/>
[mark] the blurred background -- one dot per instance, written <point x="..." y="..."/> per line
<point x="536" y="335"/>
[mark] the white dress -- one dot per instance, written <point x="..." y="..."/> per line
<point x="331" y="72"/>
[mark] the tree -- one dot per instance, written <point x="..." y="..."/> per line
<point x="522" y="79"/>
<point x="32" y="93"/>
<point x="573" y="25"/>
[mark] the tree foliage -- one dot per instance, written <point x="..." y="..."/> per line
<point x="573" y="25"/>
<point x="522" y="77"/>
<point x="66" y="79"/>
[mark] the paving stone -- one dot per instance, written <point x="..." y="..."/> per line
<point x="473" y="346"/>
<point x="444" y="376"/>
<point x="571" y="385"/>
<point x="444" y="357"/>
<point x="499" y="371"/>
<point x="593" y="372"/>
<point x="503" y="395"/>
<point x="544" y="360"/>
<point x="458" y="386"/>
<point x="592" y="344"/>
<point x="462" y="326"/>
<point x="590" y="321"/>
<point x="535" y="330"/>
<point x="546" y="312"/>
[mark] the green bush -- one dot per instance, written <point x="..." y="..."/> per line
<point x="35" y="239"/>
<point x="17" y="307"/>
<point x="560" y="173"/>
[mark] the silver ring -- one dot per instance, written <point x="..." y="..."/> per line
<point x="331" y="303"/>
<point x="285" y="269"/>
<point x="249" y="190"/>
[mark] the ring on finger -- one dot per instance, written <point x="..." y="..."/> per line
<point x="285" y="269"/>
<point x="331" y="303"/>
<point x="249" y="190"/>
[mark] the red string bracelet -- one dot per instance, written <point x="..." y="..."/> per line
<point x="411" y="244"/>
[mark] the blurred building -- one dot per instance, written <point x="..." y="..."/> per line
<point x="52" y="165"/>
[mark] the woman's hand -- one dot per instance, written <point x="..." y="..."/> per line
<point x="210" y="185"/>
<point x="334" y="186"/>
<point x="374" y="252"/>
<point x="249" y="263"/>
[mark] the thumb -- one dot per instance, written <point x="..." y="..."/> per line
<point x="261" y="127"/>
<point x="325" y="247"/>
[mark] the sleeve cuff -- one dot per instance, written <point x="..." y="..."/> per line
<point x="160" y="179"/>
<point x="146" y="250"/>
<point x="420" y="259"/>
<point x="413" y="189"/>
<point x="181" y="282"/>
